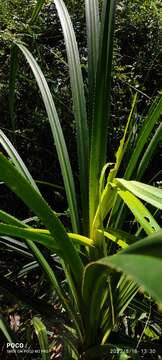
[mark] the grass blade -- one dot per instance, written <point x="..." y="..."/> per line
<point x="149" y="123"/>
<point x="41" y="332"/>
<point x="144" y="270"/>
<point x="36" y="10"/>
<point x="16" y="159"/>
<point x="79" y="104"/>
<point x="93" y="30"/>
<point x="101" y="110"/>
<point x="57" y="135"/>
<point x="149" y="152"/>
<point x="124" y="142"/>
<point x="125" y="291"/>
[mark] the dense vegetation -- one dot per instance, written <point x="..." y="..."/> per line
<point x="81" y="281"/>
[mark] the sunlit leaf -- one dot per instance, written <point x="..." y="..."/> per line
<point x="148" y="193"/>
<point x="142" y="215"/>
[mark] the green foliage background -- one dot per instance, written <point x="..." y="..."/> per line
<point x="136" y="65"/>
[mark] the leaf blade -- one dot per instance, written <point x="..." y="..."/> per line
<point x="57" y="135"/>
<point x="18" y="184"/>
<point x="36" y="11"/>
<point x="16" y="159"/>
<point x="150" y="121"/>
<point x="148" y="193"/>
<point x="41" y="333"/>
<point x="93" y="27"/>
<point x="79" y="104"/>
<point x="101" y="118"/>
<point x="149" y="152"/>
<point x="144" y="270"/>
<point x="140" y="212"/>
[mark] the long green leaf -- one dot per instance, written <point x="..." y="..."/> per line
<point x="93" y="282"/>
<point x="36" y="10"/>
<point x="118" y="214"/>
<point x="41" y="236"/>
<point x="149" y="123"/>
<point x="28" y="234"/>
<point x="142" y="215"/>
<point x="94" y="308"/>
<point x="16" y="159"/>
<point x="57" y="135"/>
<point x="144" y="270"/>
<point x="149" y="152"/>
<point x="135" y="261"/>
<point x="79" y="104"/>
<point x="142" y="263"/>
<point x="17" y="183"/>
<point x="15" y="223"/>
<point x="76" y="237"/>
<point x="42" y="262"/>
<point x="123" y="142"/>
<point x="93" y="28"/>
<point x="124" y="292"/>
<point x="41" y="332"/>
<point x="11" y="220"/>
<point x="105" y="205"/>
<point x="120" y="153"/>
<point x="148" y="193"/>
<point x="101" y="110"/>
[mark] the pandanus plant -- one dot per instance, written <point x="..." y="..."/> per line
<point x="104" y="262"/>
